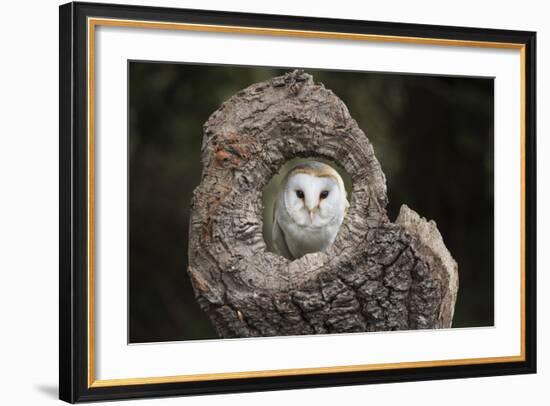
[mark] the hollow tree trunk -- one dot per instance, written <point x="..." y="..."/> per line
<point x="377" y="275"/>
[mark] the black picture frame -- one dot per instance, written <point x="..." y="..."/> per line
<point x="74" y="383"/>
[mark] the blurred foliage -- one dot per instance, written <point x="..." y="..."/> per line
<point x="433" y="136"/>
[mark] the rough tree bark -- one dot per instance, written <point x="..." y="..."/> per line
<point x="377" y="275"/>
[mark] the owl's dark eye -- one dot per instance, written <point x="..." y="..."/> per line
<point x="324" y="194"/>
<point x="300" y="194"/>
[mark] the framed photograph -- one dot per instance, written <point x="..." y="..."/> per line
<point x="255" y="202"/>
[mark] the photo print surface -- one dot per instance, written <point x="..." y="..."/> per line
<point x="319" y="241"/>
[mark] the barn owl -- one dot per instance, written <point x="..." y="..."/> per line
<point x="309" y="210"/>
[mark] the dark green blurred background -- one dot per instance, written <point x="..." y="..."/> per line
<point x="433" y="136"/>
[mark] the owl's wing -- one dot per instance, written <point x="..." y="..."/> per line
<point x="278" y="235"/>
<point x="279" y="241"/>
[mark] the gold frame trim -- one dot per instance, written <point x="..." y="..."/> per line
<point x="94" y="22"/>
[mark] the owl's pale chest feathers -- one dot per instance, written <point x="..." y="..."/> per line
<point x="303" y="240"/>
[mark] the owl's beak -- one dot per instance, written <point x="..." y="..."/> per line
<point x="311" y="214"/>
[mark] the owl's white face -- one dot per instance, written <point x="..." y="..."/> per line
<point x="313" y="201"/>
